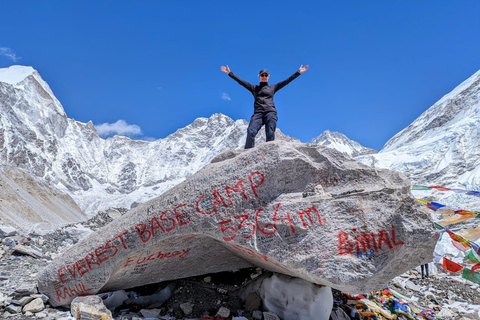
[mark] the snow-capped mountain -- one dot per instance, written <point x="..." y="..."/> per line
<point x="342" y="143"/>
<point x="36" y="136"/>
<point x="442" y="146"/>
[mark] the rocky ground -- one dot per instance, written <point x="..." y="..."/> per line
<point x="214" y="296"/>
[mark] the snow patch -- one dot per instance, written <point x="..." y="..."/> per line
<point x="15" y="74"/>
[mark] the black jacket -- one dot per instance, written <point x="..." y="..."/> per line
<point x="263" y="93"/>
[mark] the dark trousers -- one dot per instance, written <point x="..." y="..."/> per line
<point x="269" y="119"/>
<point x="424" y="269"/>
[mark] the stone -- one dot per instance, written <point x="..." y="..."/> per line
<point x="252" y="302"/>
<point x="42" y="296"/>
<point x="223" y="313"/>
<point x="115" y="299"/>
<point x="10" y="242"/>
<point x="26" y="289"/>
<point x="13" y="309"/>
<point x="150" y="313"/>
<point x="76" y="233"/>
<point x="114" y="213"/>
<point x="257" y="315"/>
<point x="270" y="316"/>
<point x="247" y="208"/>
<point x="34" y="306"/>
<point x="7" y="231"/>
<point x="22" y="301"/>
<point x="445" y="312"/>
<point x="429" y="295"/>
<point x="89" y="308"/>
<point x="412" y="286"/>
<point x="28" y="251"/>
<point x="187" y="308"/>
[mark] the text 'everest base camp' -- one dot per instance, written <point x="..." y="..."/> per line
<point x="302" y="210"/>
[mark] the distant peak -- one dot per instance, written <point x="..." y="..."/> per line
<point x="15" y="74"/>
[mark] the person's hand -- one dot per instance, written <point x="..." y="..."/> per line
<point x="225" y="69"/>
<point x="302" y="69"/>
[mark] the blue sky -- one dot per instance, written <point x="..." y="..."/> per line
<point x="375" y="66"/>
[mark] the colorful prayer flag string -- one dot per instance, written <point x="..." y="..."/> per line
<point x="465" y="244"/>
<point x="460" y="214"/>
<point x="473" y="255"/>
<point x="440" y="188"/>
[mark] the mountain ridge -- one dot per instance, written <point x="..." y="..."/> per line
<point x="38" y="138"/>
<point x="442" y="146"/>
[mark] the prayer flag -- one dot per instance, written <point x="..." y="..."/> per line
<point x="456" y="218"/>
<point x="467" y="274"/>
<point x="441" y="188"/>
<point x="414" y="187"/>
<point x="445" y="210"/>
<point x="439" y="227"/>
<point x="423" y="201"/>
<point x="435" y="206"/>
<point x="471" y="256"/>
<point x="472" y="234"/>
<point x="458" y="242"/>
<point x="475" y="267"/>
<point x="476" y="248"/>
<point x="451" y="266"/>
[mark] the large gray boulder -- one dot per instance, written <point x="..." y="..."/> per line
<point x="298" y="209"/>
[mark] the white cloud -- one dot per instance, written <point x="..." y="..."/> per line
<point x="121" y="127"/>
<point x="226" y="96"/>
<point x="7" y="52"/>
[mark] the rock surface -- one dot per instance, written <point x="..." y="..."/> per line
<point x="90" y="308"/>
<point x="297" y="209"/>
<point x="444" y="293"/>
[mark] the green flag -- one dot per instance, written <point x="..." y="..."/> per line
<point x="471" y="256"/>
<point x="467" y="274"/>
<point x="414" y="187"/>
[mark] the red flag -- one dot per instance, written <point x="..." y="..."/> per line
<point x="475" y="267"/>
<point x="440" y="188"/>
<point x="451" y="266"/>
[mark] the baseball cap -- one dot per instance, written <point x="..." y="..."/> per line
<point x="264" y="71"/>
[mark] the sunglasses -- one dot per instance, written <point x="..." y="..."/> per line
<point x="264" y="75"/>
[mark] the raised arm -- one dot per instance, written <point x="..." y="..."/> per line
<point x="250" y="87"/>
<point x="283" y="83"/>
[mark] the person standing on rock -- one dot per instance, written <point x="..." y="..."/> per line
<point x="264" y="112"/>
